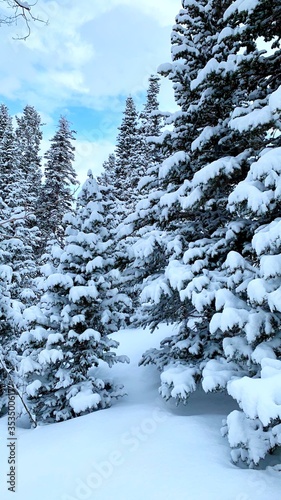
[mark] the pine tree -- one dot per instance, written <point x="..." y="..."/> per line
<point x="17" y="235"/>
<point x="8" y="162"/>
<point x="220" y="233"/>
<point x="19" y="163"/>
<point x="150" y="117"/>
<point x="56" y="197"/>
<point x="129" y="157"/>
<point x="181" y="227"/>
<point x="108" y="174"/>
<point x="67" y="337"/>
<point x="6" y="330"/>
<point x="28" y="140"/>
<point x="151" y="124"/>
<point x="248" y="307"/>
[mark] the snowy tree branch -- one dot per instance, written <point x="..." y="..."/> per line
<point x="20" y="11"/>
<point x="32" y="419"/>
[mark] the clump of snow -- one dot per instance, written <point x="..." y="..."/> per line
<point x="6" y="273"/>
<point x="89" y="334"/>
<point x="31" y="389"/>
<point x="54" y="338"/>
<point x="240" y="6"/>
<point x="97" y="262"/>
<point x="247" y="438"/>
<point x="257" y="291"/>
<point x="262" y="186"/>
<point x="174" y="160"/>
<point x="270" y="266"/>
<point x="76" y="293"/>
<point x="177" y="274"/>
<point x="58" y="279"/>
<point x="84" y="400"/>
<point x="27" y="365"/>
<point x="178" y="381"/>
<point x="253" y="119"/>
<point x="234" y="260"/>
<point x="217" y="374"/>
<point x="47" y="356"/>
<point x="154" y="290"/>
<point x="268" y="237"/>
<point x="260" y="397"/>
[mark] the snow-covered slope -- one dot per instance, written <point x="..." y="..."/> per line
<point x="140" y="448"/>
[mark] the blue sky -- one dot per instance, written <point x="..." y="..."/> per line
<point x="84" y="63"/>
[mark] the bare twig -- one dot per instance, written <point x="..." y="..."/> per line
<point x="32" y="419"/>
<point x="21" y="10"/>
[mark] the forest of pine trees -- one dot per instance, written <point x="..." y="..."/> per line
<point x="182" y="227"/>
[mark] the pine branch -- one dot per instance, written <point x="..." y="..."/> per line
<point x="32" y="419"/>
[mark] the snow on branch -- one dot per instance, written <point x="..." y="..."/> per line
<point x="20" y="11"/>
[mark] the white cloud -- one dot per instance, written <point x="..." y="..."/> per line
<point x="89" y="52"/>
<point x="90" y="55"/>
<point x="91" y="155"/>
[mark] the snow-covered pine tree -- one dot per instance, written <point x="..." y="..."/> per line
<point x="162" y="228"/>
<point x="6" y="329"/>
<point x="28" y="140"/>
<point x="67" y="338"/>
<point x="108" y="174"/>
<point x="184" y="227"/>
<point x="107" y="183"/>
<point x="56" y="196"/>
<point x="248" y="311"/>
<point x="151" y="125"/>
<point x="18" y="167"/>
<point x="18" y="231"/>
<point x="27" y="172"/>
<point x="8" y="165"/>
<point x="129" y="161"/>
<point x="150" y="117"/>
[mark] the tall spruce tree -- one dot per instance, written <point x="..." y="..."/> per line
<point x="248" y="312"/>
<point x="182" y="227"/>
<point x="18" y="231"/>
<point x="19" y="166"/>
<point x="150" y="117"/>
<point x="8" y="159"/>
<point x="151" y="125"/>
<point x="129" y="157"/>
<point x="67" y="335"/>
<point x="28" y="140"/>
<point x="56" y="196"/>
<point x="109" y="171"/>
<point x="217" y="236"/>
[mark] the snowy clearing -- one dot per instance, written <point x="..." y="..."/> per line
<point x="139" y="448"/>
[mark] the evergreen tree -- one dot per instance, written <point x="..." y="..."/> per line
<point x="56" y="197"/>
<point x="108" y="174"/>
<point x="19" y="163"/>
<point x="248" y="305"/>
<point x="18" y="233"/>
<point x="150" y="117"/>
<point x="8" y="162"/>
<point x="28" y="140"/>
<point x="6" y="330"/>
<point x="129" y="157"/>
<point x="182" y="230"/>
<point x="151" y="124"/>
<point x="67" y="334"/>
<point x="217" y="235"/>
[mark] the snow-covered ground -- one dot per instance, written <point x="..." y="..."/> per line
<point x="139" y="449"/>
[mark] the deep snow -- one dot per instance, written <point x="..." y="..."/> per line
<point x="140" y="448"/>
